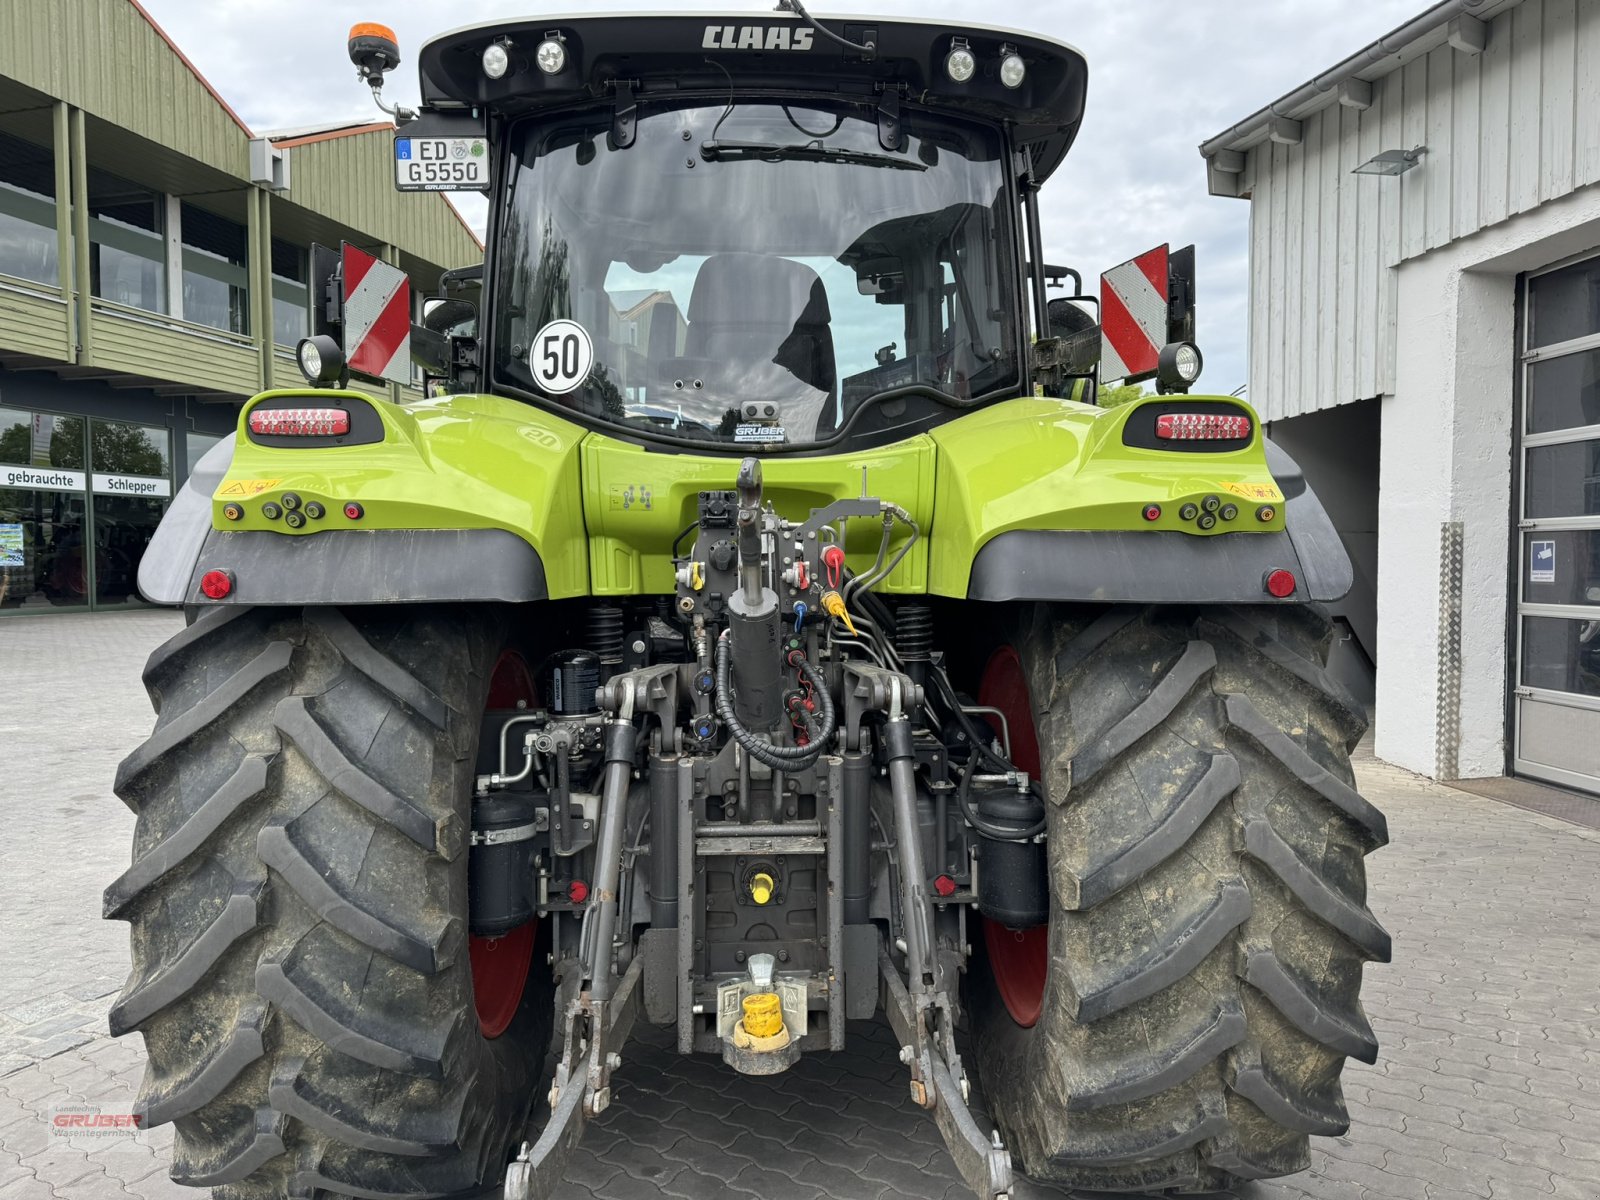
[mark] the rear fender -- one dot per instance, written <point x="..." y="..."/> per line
<point x="460" y="498"/>
<point x="1046" y="500"/>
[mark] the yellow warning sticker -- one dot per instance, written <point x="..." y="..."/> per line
<point x="1263" y="492"/>
<point x="247" y="487"/>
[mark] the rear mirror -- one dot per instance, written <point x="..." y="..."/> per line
<point x="443" y="321"/>
<point x="1079" y="335"/>
<point x="450" y="317"/>
<point x="882" y="277"/>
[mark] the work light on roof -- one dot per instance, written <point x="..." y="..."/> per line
<point x="551" y="55"/>
<point x="496" y="60"/>
<point x="960" y="64"/>
<point x="1012" y="69"/>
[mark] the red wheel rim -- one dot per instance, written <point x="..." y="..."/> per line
<point x="1018" y="958"/>
<point x="500" y="964"/>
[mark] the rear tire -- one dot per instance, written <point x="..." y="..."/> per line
<point x="1207" y="894"/>
<point x="298" y="902"/>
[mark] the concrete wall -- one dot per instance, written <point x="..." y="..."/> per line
<point x="1446" y="457"/>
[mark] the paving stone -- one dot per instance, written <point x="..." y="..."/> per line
<point x="27" y="1188"/>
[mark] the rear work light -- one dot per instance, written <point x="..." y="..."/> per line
<point x="1207" y="426"/>
<point x="300" y="422"/>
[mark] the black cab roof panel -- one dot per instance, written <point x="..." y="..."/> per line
<point x="696" y="53"/>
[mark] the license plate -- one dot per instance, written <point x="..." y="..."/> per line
<point x="441" y="164"/>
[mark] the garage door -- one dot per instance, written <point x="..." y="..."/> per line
<point x="1557" y="684"/>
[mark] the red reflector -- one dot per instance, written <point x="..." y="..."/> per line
<point x="577" y="891"/>
<point x="354" y="511"/>
<point x="1280" y="583"/>
<point x="300" y="422"/>
<point x="944" y="885"/>
<point x="216" y="584"/>
<point x="1152" y="512"/>
<point x="1203" y="426"/>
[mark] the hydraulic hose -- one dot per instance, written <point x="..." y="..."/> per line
<point x="780" y="758"/>
<point x="980" y="750"/>
<point x="994" y="832"/>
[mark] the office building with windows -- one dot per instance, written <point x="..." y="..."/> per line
<point x="153" y="275"/>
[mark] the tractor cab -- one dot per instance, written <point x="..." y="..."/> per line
<point x="725" y="233"/>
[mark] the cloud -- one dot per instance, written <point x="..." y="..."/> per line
<point x="1163" y="76"/>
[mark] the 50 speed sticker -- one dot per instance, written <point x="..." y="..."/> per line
<point x="561" y="357"/>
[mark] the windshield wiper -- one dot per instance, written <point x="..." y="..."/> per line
<point x="817" y="151"/>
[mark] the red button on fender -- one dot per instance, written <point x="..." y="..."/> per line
<point x="216" y="584"/>
<point x="1279" y="583"/>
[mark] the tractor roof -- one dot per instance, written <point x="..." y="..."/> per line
<point x="695" y="54"/>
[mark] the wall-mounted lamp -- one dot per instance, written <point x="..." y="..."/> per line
<point x="1391" y="162"/>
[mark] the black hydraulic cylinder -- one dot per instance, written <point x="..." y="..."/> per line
<point x="664" y="842"/>
<point x="855" y="801"/>
<point x="756" y="663"/>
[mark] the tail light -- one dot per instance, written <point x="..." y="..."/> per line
<point x="300" y="422"/>
<point x="1203" y="426"/>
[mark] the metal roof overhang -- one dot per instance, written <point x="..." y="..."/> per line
<point x="1462" y="23"/>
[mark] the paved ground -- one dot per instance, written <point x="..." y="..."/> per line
<point x="1488" y="1083"/>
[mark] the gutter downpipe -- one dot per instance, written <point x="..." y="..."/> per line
<point x="1389" y="43"/>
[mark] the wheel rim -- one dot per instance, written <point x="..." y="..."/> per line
<point x="1019" y="959"/>
<point x="500" y="964"/>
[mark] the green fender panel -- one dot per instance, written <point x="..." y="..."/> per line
<point x="1055" y="465"/>
<point x="452" y="463"/>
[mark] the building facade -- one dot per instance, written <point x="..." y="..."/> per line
<point x="1427" y="343"/>
<point x="153" y="275"/>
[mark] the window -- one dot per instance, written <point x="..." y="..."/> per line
<point x="127" y="257"/>
<point x="291" y="299"/>
<point x="126" y="511"/>
<point x="43" y="515"/>
<point x="30" y="439"/>
<point x="196" y="445"/>
<point x="216" y="281"/>
<point x="27" y="211"/>
<point x="762" y="295"/>
<point x="122" y="449"/>
<point x="1564" y="304"/>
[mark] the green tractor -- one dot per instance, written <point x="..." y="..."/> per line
<point x="758" y="627"/>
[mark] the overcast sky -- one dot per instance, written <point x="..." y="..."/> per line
<point x="1163" y="76"/>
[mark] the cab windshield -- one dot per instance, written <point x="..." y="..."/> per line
<point x="755" y="274"/>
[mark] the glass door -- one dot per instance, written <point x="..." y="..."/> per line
<point x="1557" y="683"/>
